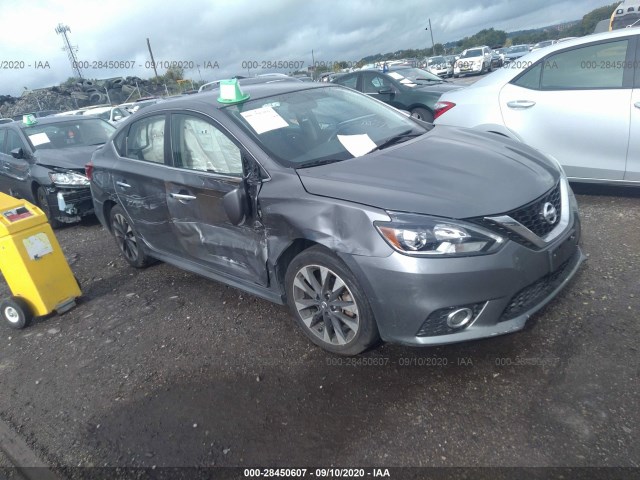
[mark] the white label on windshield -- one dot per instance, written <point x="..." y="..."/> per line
<point x="357" y="145"/>
<point x="395" y="75"/>
<point x="264" y="119"/>
<point x="39" y="139"/>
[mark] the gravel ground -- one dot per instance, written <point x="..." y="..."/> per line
<point x="159" y="367"/>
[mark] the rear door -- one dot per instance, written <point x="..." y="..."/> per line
<point x="139" y="178"/>
<point x="208" y="165"/>
<point x="633" y="156"/>
<point x="575" y="105"/>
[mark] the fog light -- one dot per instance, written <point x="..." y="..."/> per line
<point x="459" y="318"/>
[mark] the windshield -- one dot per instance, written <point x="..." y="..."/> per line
<point x="436" y="60"/>
<point x="69" y="134"/>
<point x="413" y="76"/>
<point x="518" y="49"/>
<point x="321" y="125"/>
<point x="472" y="53"/>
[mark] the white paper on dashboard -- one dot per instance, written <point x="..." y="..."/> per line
<point x="395" y="75"/>
<point x="264" y="119"/>
<point x="357" y="145"/>
<point x="39" y="139"/>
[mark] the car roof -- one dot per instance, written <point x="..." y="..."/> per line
<point x="256" y="92"/>
<point x="53" y="120"/>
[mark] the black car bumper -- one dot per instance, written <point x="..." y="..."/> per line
<point x="69" y="205"/>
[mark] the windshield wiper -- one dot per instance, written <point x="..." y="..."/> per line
<point x="429" y="79"/>
<point x="407" y="135"/>
<point x="316" y="163"/>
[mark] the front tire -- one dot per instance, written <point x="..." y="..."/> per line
<point x="42" y="201"/>
<point x="328" y="303"/>
<point x="16" y="312"/>
<point x="128" y="241"/>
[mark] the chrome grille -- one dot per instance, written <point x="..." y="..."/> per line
<point x="529" y="216"/>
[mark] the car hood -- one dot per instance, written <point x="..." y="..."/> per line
<point x="449" y="172"/>
<point x="74" y="158"/>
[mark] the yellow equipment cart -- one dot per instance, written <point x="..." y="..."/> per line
<point x="33" y="265"/>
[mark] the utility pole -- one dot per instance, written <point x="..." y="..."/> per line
<point x="71" y="50"/>
<point x="313" y="66"/>
<point x="153" y="62"/>
<point x="433" y="45"/>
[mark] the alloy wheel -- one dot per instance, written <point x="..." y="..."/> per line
<point x="326" y="305"/>
<point x="125" y="237"/>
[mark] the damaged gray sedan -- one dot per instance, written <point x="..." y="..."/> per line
<point x="369" y="224"/>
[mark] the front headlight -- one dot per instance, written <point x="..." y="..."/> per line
<point x="437" y="237"/>
<point x="68" y="179"/>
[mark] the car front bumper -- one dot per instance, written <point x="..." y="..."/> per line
<point x="470" y="68"/>
<point x="69" y="205"/>
<point x="411" y="296"/>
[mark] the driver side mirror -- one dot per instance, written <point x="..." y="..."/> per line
<point x="387" y="90"/>
<point x="235" y="204"/>
<point x="17" y="153"/>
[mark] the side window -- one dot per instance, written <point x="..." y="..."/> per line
<point x="593" y="66"/>
<point x="13" y="141"/>
<point x="199" y="145"/>
<point x="350" y="82"/>
<point x="373" y="83"/>
<point x="120" y="142"/>
<point x="2" y="132"/>
<point x="145" y="140"/>
<point x="531" y="78"/>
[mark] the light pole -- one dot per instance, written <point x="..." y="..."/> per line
<point x="433" y="45"/>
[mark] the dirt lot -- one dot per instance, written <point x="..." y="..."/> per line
<point x="161" y="367"/>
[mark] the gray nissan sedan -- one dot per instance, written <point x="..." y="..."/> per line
<point x="369" y="224"/>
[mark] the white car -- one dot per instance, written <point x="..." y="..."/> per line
<point x="439" y="65"/>
<point x="574" y="101"/>
<point x="473" y="60"/>
<point x="113" y="115"/>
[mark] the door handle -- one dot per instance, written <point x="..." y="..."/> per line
<point x="637" y="104"/>
<point x="123" y="184"/>
<point x="521" y="104"/>
<point x="6" y="167"/>
<point x="182" y="196"/>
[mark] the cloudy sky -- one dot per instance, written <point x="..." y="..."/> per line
<point x="230" y="32"/>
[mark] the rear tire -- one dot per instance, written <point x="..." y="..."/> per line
<point x="16" y="312"/>
<point x="422" y="114"/>
<point x="128" y="241"/>
<point x="328" y="303"/>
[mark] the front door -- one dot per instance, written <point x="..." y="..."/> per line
<point x="15" y="171"/>
<point x="208" y="165"/>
